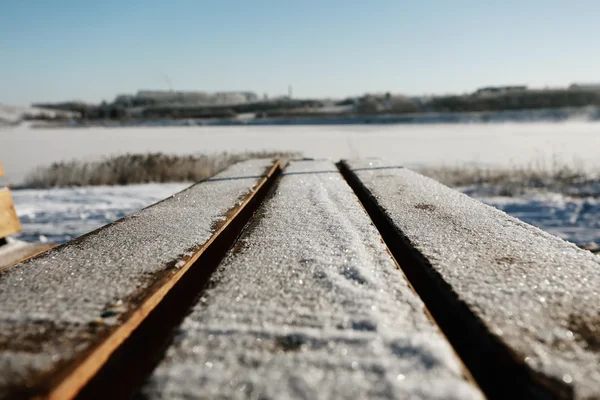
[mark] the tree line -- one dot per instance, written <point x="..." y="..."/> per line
<point x="365" y="105"/>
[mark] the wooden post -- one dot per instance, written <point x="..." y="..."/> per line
<point x="9" y="222"/>
<point x="12" y="253"/>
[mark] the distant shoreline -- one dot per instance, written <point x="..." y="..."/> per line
<point x="520" y="116"/>
<point x="487" y="104"/>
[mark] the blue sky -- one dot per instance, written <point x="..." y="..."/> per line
<point x="54" y="50"/>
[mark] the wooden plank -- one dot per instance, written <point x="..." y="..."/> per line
<point x="76" y="306"/>
<point x="309" y="304"/>
<point x="13" y="253"/>
<point x="9" y="221"/>
<point x="1" y="170"/>
<point x="520" y="305"/>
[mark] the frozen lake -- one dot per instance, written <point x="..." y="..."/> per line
<point x="573" y="142"/>
<point x="58" y="215"/>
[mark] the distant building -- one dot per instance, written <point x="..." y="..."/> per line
<point x="194" y="98"/>
<point x="125" y="100"/>
<point x="496" y="90"/>
<point x="586" y="86"/>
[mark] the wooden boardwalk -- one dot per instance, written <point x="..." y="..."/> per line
<point x="306" y="280"/>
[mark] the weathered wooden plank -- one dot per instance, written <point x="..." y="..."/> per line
<point x="63" y="314"/>
<point x="522" y="306"/>
<point x="15" y="252"/>
<point x="309" y="304"/>
<point x="9" y="221"/>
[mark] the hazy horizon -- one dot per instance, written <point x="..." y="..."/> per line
<point x="91" y="51"/>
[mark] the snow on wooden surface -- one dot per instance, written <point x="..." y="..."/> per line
<point x="537" y="293"/>
<point x="310" y="305"/>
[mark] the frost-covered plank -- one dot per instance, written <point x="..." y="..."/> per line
<point x="310" y="305"/>
<point x="64" y="312"/>
<point x="534" y="293"/>
<point x="14" y="252"/>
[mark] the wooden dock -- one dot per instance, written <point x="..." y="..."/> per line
<point x="307" y="279"/>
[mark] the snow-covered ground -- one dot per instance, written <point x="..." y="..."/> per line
<point x="58" y="215"/>
<point x="11" y="114"/>
<point x="574" y="219"/>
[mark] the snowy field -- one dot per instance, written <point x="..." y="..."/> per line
<point x="574" y="219"/>
<point x="23" y="148"/>
<point x="60" y="214"/>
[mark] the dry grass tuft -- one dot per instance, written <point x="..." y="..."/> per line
<point x="140" y="168"/>
<point x="517" y="180"/>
